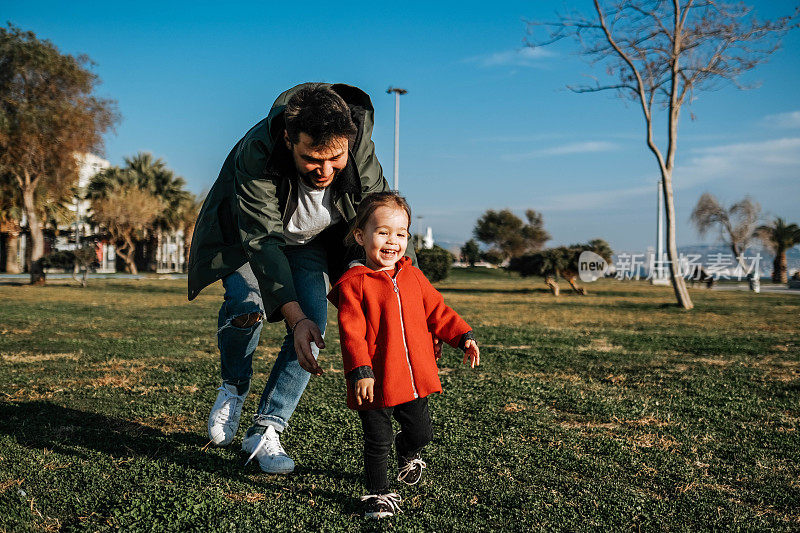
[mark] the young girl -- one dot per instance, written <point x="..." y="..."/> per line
<point x="388" y="315"/>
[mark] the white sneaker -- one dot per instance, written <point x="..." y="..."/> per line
<point x="224" y="418"/>
<point x="266" y="448"/>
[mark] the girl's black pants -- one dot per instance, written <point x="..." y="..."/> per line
<point x="415" y="433"/>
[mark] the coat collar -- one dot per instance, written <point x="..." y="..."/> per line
<point x="359" y="269"/>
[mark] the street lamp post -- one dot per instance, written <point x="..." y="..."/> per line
<point x="397" y="92"/>
<point x="659" y="277"/>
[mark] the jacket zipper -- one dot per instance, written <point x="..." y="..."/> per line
<point x="403" y="331"/>
<point x="338" y="208"/>
<point x="288" y="201"/>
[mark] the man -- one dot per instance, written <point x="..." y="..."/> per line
<point x="272" y="229"/>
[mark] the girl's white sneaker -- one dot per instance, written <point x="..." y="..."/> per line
<point x="381" y="505"/>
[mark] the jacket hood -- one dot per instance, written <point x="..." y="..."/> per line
<point x="359" y="269"/>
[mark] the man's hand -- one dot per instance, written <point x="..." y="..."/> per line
<point x="365" y="390"/>
<point x="472" y="353"/>
<point x="305" y="332"/>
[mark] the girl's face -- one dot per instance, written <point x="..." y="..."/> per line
<point x="384" y="237"/>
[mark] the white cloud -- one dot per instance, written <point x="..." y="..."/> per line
<point x="750" y="162"/>
<point x="787" y="120"/>
<point x="564" y="149"/>
<point x="517" y="57"/>
<point x="580" y="201"/>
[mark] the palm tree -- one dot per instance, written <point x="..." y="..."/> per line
<point x="150" y="175"/>
<point x="154" y="176"/>
<point x="188" y="217"/>
<point x="123" y="208"/>
<point x="736" y="224"/>
<point x="779" y="237"/>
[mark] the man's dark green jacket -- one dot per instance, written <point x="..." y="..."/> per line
<point x="241" y="219"/>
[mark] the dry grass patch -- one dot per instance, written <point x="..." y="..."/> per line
<point x="36" y="393"/>
<point x="110" y="334"/>
<point x="117" y="381"/>
<point x="615" y="379"/>
<point x="651" y="440"/>
<point x="25" y="357"/>
<point x="5" y="485"/>
<point x="614" y="423"/>
<point x="249" y="497"/>
<point x="514" y="407"/>
<point x="131" y="366"/>
<point x="144" y="390"/>
<point x="568" y="377"/>
<point x="711" y="361"/>
<point x="784" y="371"/>
<point x="507" y="347"/>
<point x="649" y="421"/>
<point x="15" y="331"/>
<point x="588" y="424"/>
<point x="601" y="344"/>
<point x="170" y="423"/>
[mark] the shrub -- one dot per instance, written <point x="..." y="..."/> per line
<point x="493" y="257"/>
<point x="435" y="262"/>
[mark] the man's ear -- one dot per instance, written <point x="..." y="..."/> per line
<point x="358" y="235"/>
<point x="286" y="139"/>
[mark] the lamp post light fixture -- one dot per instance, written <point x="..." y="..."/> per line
<point x="397" y="92"/>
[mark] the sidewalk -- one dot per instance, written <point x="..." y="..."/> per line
<point x="765" y="287"/>
<point x="147" y="275"/>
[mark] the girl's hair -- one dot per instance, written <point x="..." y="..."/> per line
<point x="368" y="206"/>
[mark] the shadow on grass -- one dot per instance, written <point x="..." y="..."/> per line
<point x="490" y="291"/>
<point x="44" y="425"/>
<point x="639" y="306"/>
<point x="39" y="424"/>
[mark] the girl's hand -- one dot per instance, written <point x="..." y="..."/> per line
<point x="437" y="348"/>
<point x="364" y="390"/>
<point x="472" y="353"/>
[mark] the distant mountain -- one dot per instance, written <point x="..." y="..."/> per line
<point x="765" y="264"/>
<point x="707" y="253"/>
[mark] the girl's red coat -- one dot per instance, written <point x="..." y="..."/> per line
<point x="373" y="331"/>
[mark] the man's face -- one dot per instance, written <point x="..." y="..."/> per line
<point x="318" y="165"/>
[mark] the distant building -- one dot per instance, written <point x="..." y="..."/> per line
<point x="165" y="248"/>
<point x="80" y="230"/>
<point x="89" y="165"/>
<point x="427" y="240"/>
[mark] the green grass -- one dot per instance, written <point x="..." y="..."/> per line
<point x="616" y="411"/>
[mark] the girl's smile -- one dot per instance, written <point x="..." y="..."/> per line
<point x="384" y="237"/>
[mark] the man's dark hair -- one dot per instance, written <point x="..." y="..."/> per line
<point x="320" y="113"/>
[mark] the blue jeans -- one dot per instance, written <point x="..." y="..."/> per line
<point x="287" y="380"/>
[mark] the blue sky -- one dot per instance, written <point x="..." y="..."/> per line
<point x="485" y="124"/>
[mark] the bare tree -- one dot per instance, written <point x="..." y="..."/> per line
<point x="658" y="53"/>
<point x="736" y="224"/>
<point x="125" y="212"/>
